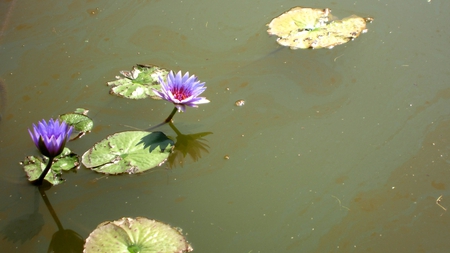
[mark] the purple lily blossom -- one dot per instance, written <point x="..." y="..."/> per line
<point x="50" y="138"/>
<point x="182" y="91"/>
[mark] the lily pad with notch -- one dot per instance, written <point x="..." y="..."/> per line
<point x="315" y="28"/>
<point x="139" y="82"/>
<point x="140" y="235"/>
<point x="128" y="152"/>
<point x="66" y="161"/>
<point x="81" y="123"/>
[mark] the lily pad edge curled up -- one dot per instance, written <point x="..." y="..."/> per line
<point x="303" y="28"/>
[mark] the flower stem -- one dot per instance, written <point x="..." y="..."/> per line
<point x="174" y="128"/>
<point x="50" y="209"/>
<point x="169" y="119"/>
<point x="44" y="173"/>
<point x="171" y="115"/>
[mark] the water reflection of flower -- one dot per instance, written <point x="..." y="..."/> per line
<point x="187" y="144"/>
<point x="64" y="240"/>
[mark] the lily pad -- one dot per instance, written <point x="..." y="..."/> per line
<point x="34" y="166"/>
<point x="81" y="111"/>
<point x="315" y="28"/>
<point x="139" y="82"/>
<point x="128" y="152"/>
<point x="140" y="235"/>
<point x="79" y="120"/>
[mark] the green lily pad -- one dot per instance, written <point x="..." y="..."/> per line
<point x="139" y="82"/>
<point x="81" y="123"/>
<point x="34" y="166"/>
<point x="128" y="152"/>
<point x="315" y="28"/>
<point x="140" y="235"/>
<point x="81" y="111"/>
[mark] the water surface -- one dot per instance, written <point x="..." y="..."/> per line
<point x="341" y="150"/>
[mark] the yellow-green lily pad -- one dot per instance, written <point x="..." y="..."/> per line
<point x="315" y="28"/>
<point x="140" y="235"/>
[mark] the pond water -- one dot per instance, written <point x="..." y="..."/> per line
<point x="341" y="150"/>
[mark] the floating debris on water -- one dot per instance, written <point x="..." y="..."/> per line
<point x="240" y="102"/>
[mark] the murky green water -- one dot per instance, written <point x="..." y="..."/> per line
<point x="342" y="150"/>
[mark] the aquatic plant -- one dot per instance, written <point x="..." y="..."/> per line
<point x="302" y="27"/>
<point x="139" y="82"/>
<point x="50" y="138"/>
<point x="81" y="123"/>
<point x="136" y="235"/>
<point x="182" y="91"/>
<point x="128" y="152"/>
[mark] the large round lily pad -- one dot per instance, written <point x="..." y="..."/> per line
<point x="139" y="82"/>
<point x="140" y="235"/>
<point x="128" y="152"/>
<point x="315" y="28"/>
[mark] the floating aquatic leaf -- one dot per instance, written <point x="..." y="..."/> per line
<point x="315" y="28"/>
<point x="128" y="152"/>
<point x="139" y="82"/>
<point x="34" y="166"/>
<point x="81" y="111"/>
<point x="140" y="235"/>
<point x="80" y="122"/>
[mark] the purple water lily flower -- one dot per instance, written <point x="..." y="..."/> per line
<point x="182" y="90"/>
<point x="50" y="138"/>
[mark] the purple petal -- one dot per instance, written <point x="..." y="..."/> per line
<point x="182" y="90"/>
<point x="50" y="137"/>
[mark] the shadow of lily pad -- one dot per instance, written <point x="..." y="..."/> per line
<point x="315" y="28"/>
<point x="128" y="152"/>
<point x="136" y="235"/>
<point x="139" y="82"/>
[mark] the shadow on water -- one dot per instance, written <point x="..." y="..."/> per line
<point x="26" y="227"/>
<point x="64" y="240"/>
<point x="3" y="101"/>
<point x="187" y="144"/>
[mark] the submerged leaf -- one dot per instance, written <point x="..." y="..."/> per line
<point x="314" y="28"/>
<point x="136" y="235"/>
<point x="139" y="82"/>
<point x="128" y="152"/>
<point x="34" y="166"/>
